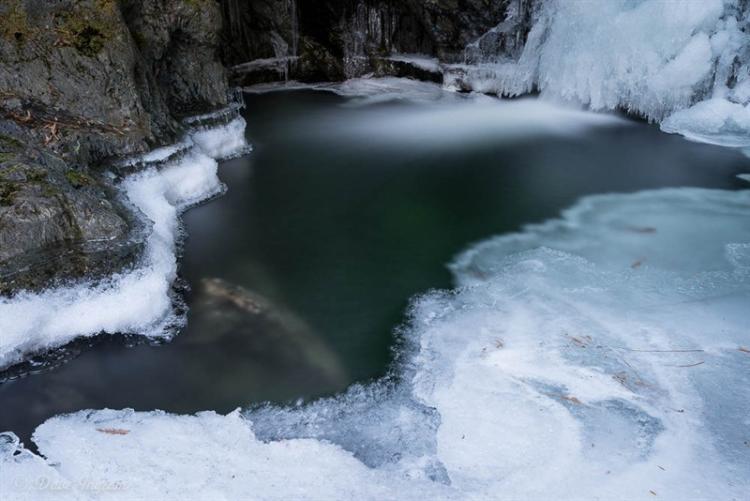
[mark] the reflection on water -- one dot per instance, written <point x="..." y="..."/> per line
<point x="300" y="273"/>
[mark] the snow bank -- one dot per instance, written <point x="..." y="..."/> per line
<point x="603" y="355"/>
<point x="650" y="57"/>
<point x="137" y="301"/>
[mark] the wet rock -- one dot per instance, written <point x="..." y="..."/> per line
<point x="178" y="43"/>
<point x="57" y="222"/>
<point x="268" y="331"/>
<point x="337" y="39"/>
<point x="407" y="68"/>
<point x="83" y="82"/>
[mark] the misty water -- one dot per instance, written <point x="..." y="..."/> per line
<point x="297" y="279"/>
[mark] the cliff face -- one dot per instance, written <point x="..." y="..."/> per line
<point x="85" y="81"/>
<point x="82" y="82"/>
<point x="309" y="40"/>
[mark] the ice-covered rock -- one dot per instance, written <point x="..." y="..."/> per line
<point x="603" y="355"/>
<point x="651" y="57"/>
<point x="139" y="300"/>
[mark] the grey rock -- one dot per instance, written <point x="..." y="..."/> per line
<point x="82" y="83"/>
<point x="57" y="222"/>
<point x="336" y="39"/>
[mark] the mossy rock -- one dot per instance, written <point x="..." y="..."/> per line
<point x="14" y="23"/>
<point x="196" y="4"/>
<point x="9" y="144"/>
<point x="6" y="157"/>
<point x="78" y="179"/>
<point x="36" y="175"/>
<point x="21" y="172"/>
<point x="8" y="192"/>
<point x="89" y="31"/>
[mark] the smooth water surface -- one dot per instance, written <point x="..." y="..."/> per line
<point x="300" y="274"/>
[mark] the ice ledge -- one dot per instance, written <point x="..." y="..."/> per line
<point x="138" y="301"/>
<point x="602" y="355"/>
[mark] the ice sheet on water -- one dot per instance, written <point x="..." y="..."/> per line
<point x="137" y="301"/>
<point x="603" y="355"/>
<point x="368" y="91"/>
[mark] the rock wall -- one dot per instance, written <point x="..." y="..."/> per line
<point x="83" y="82"/>
<point x="313" y="40"/>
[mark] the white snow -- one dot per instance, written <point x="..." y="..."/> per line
<point x="650" y="57"/>
<point x="368" y="90"/>
<point x="136" y="301"/>
<point x="716" y="121"/>
<point x="603" y="355"/>
<point x="421" y="61"/>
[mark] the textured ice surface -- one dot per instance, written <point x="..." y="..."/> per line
<point x="368" y="91"/>
<point x="652" y="57"/>
<point x="420" y="61"/>
<point x="137" y="301"/>
<point x="604" y="355"/>
<point x="717" y="121"/>
<point x="365" y="91"/>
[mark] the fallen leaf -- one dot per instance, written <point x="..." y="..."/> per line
<point x="113" y="431"/>
<point x="572" y="399"/>
<point x="567" y="398"/>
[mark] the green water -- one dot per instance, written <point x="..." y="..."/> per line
<point x="334" y="233"/>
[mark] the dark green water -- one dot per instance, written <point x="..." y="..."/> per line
<point x="332" y="231"/>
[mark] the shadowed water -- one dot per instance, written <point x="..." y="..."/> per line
<point x="299" y="274"/>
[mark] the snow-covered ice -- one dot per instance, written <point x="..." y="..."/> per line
<point x="716" y="121"/>
<point x="603" y="355"/>
<point x="421" y="61"/>
<point x="138" y="301"/>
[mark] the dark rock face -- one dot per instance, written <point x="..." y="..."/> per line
<point x="178" y="43"/>
<point x="57" y="222"/>
<point x="314" y="40"/>
<point x="82" y="82"/>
